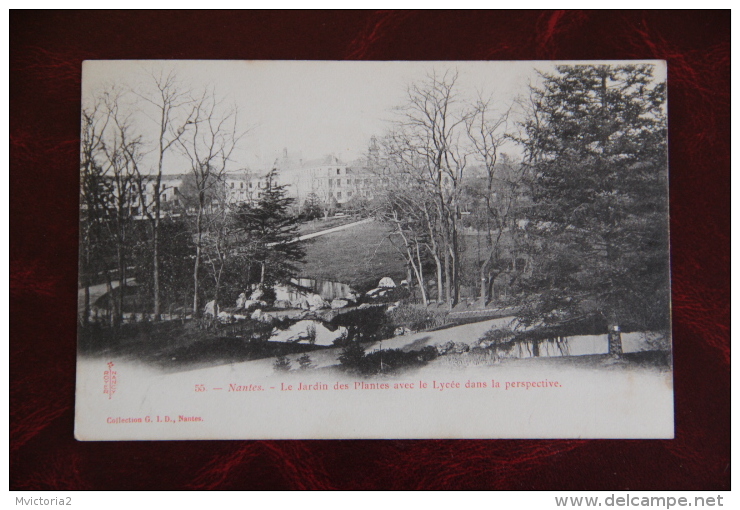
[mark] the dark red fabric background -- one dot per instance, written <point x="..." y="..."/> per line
<point x="46" y="50"/>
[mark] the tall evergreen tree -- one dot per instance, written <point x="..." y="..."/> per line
<point x="596" y="143"/>
<point x="271" y="233"/>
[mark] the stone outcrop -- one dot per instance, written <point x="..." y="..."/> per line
<point x="298" y="298"/>
<point x="309" y="331"/>
<point x="387" y="283"/>
<point x="339" y="303"/>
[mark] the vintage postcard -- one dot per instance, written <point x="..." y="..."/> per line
<point x="331" y="250"/>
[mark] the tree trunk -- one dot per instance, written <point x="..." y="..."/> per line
<point x="121" y="281"/>
<point x="435" y="254"/>
<point x="615" y="340"/>
<point x="111" y="299"/>
<point x="86" y="282"/>
<point x="155" y="265"/>
<point x="86" y="318"/>
<point x="484" y="281"/>
<point x="492" y="287"/>
<point x="448" y="277"/>
<point x="216" y="296"/>
<point x="455" y="265"/>
<point x="420" y="277"/>
<point x="196" y="269"/>
<point x="410" y="280"/>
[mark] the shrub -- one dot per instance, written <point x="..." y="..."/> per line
<point x="497" y="337"/>
<point x="391" y="360"/>
<point x="657" y="341"/>
<point x="305" y="362"/>
<point x="311" y="332"/>
<point x="352" y="357"/>
<point x="416" y="318"/>
<point x="365" y="324"/>
<point x="282" y="364"/>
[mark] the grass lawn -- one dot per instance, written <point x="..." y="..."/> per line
<point x="359" y="256"/>
<point x="319" y="224"/>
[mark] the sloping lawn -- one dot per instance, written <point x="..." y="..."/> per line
<point x="359" y="256"/>
<point x="319" y="224"/>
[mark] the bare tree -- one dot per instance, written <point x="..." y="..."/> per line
<point x="120" y="155"/>
<point x="409" y="203"/>
<point x="402" y="207"/>
<point x="429" y="142"/>
<point x="94" y="189"/>
<point x="208" y="145"/>
<point x="486" y="131"/>
<point x="218" y="246"/>
<point x="110" y="153"/>
<point x="174" y="113"/>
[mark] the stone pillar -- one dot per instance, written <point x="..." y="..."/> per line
<point x="615" y="340"/>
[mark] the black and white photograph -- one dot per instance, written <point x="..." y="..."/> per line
<point x="386" y="250"/>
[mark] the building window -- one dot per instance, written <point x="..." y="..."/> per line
<point x="337" y="171"/>
<point x="175" y="188"/>
<point x="349" y="194"/>
<point x="339" y="195"/>
<point x="241" y="185"/>
<point x="164" y="198"/>
<point x="331" y="183"/>
<point x="232" y="185"/>
<point x="339" y="183"/>
<point x="251" y="184"/>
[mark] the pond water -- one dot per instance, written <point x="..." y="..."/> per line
<point x="327" y="289"/>
<point x="574" y="346"/>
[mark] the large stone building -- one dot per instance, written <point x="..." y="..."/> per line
<point x="328" y="179"/>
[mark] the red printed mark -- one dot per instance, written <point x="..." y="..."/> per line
<point x="109" y="381"/>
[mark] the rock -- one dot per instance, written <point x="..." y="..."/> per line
<point x="257" y="294"/>
<point x="300" y="302"/>
<point x="283" y="293"/>
<point x="251" y="304"/>
<point x="241" y="300"/>
<point x="315" y="302"/>
<point x="339" y="303"/>
<point x="259" y="315"/>
<point x="377" y="292"/>
<point x="387" y="283"/>
<point x="306" y="330"/>
<point x="393" y="306"/>
<point x="446" y="347"/>
<point x="225" y="317"/>
<point x="404" y="283"/>
<point x="210" y="308"/>
<point x="401" y="331"/>
<point x="297" y="298"/>
<point x="363" y="306"/>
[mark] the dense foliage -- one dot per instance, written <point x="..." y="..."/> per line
<point x="596" y="147"/>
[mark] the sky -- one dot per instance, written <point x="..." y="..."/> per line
<point x="310" y="108"/>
